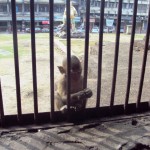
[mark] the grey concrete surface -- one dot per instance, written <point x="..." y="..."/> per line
<point x="117" y="133"/>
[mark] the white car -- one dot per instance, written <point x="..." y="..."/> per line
<point x="108" y="29"/>
<point x="38" y="30"/>
<point x="95" y="30"/>
<point x="111" y="29"/>
<point x="121" y="30"/>
<point x="81" y="30"/>
<point x="105" y="30"/>
<point x="27" y="29"/>
<point x="45" y="30"/>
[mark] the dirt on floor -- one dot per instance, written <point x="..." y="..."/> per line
<point x="7" y="74"/>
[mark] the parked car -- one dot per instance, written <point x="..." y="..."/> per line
<point x="38" y="30"/>
<point x="109" y="29"/>
<point x="95" y="30"/>
<point x="27" y="30"/>
<point x="121" y="29"/>
<point x="55" y="29"/>
<point x="81" y="29"/>
<point x="105" y="29"/>
<point x="45" y="30"/>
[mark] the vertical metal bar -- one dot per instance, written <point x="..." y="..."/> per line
<point x="116" y="54"/>
<point x="100" y="53"/>
<point x="16" y="59"/>
<point x="1" y="106"/>
<point x="86" y="43"/>
<point x="144" y="61"/>
<point x="33" y="50"/>
<point x="131" y="54"/>
<point x="86" y="51"/>
<point x="51" y="15"/>
<point x="68" y="52"/>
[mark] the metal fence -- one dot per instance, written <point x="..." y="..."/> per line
<point x="98" y="111"/>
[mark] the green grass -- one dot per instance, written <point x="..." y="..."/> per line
<point x="42" y="42"/>
<point x="139" y="36"/>
<point x="24" y="43"/>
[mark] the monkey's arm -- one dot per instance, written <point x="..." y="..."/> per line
<point x="76" y="97"/>
<point x="81" y="95"/>
<point x="61" y="90"/>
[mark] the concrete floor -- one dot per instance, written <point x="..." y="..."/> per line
<point x="118" y="133"/>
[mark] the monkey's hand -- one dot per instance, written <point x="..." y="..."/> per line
<point x="81" y="95"/>
<point x="88" y="92"/>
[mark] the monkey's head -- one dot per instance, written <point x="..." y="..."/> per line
<point x="75" y="67"/>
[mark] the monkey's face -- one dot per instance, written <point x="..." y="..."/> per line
<point x="75" y="73"/>
<point x="75" y="68"/>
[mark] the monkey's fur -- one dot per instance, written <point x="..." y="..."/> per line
<point x="78" y="95"/>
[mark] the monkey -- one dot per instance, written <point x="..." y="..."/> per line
<point x="78" y="95"/>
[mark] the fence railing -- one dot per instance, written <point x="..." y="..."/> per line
<point x="97" y="111"/>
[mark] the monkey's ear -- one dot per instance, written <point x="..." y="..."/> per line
<point x="61" y="69"/>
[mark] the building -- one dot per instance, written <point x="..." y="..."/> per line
<point x="42" y="13"/>
<point x="23" y="13"/>
<point x="110" y="13"/>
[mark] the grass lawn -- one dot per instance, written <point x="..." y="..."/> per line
<point x="42" y="43"/>
<point x="24" y="44"/>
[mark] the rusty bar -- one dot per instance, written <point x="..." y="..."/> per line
<point x="86" y="51"/>
<point x="131" y="54"/>
<point x="16" y="59"/>
<point x="116" y="54"/>
<point x="33" y="51"/>
<point x="144" y="62"/>
<point x="51" y="15"/>
<point x="100" y="53"/>
<point x="68" y="52"/>
<point x="1" y="106"/>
